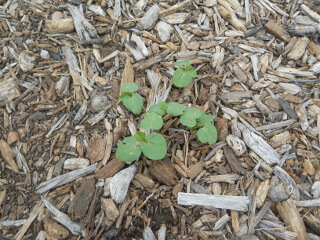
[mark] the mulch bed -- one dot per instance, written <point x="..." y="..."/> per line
<point x="61" y="70"/>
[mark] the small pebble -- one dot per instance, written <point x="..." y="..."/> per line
<point x="12" y="137"/>
<point x="44" y="54"/>
<point x="101" y="81"/>
<point x="99" y="102"/>
<point x="26" y="62"/>
<point x="57" y="15"/>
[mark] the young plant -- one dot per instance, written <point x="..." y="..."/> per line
<point x="153" y="146"/>
<point x="189" y="117"/>
<point x="131" y="100"/>
<point x="207" y="134"/>
<point x="153" y="118"/>
<point x="183" y="74"/>
<point x="195" y="119"/>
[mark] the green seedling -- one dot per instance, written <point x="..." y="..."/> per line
<point x="207" y="134"/>
<point x="129" y="150"/>
<point x="194" y="119"/>
<point x="152" y="120"/>
<point x="131" y="100"/>
<point x="204" y="119"/>
<point x="160" y="108"/>
<point x="183" y="74"/>
<point x="153" y="146"/>
<point x="175" y="109"/>
<point x="190" y="116"/>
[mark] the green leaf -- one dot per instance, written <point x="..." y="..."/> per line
<point x="175" y="109"/>
<point x="191" y="72"/>
<point x="130" y="87"/>
<point x="207" y="134"/>
<point x="188" y="122"/>
<point x="125" y="95"/>
<point x="192" y="113"/>
<point x="163" y="105"/>
<point x="152" y="120"/>
<point x="156" y="146"/>
<point x="160" y="108"/>
<point x="181" y="78"/>
<point x="128" y="150"/>
<point x="183" y="64"/>
<point x="140" y="136"/>
<point x="205" y="118"/>
<point x="189" y="117"/>
<point x="134" y="103"/>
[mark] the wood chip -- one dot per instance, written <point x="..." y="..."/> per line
<point x="82" y="198"/>
<point x="110" y="169"/>
<point x="290" y="215"/>
<point x="8" y="155"/>
<point x="238" y="203"/>
<point x="164" y="172"/>
<point x="277" y="30"/>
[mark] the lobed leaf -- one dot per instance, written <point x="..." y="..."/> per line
<point x="175" y="109"/>
<point x="189" y="117"/>
<point x="208" y="134"/>
<point x="164" y="106"/>
<point x="130" y="87"/>
<point x="140" y="136"/>
<point x="192" y="113"/>
<point x="134" y="103"/>
<point x="204" y="119"/>
<point x="188" y="122"/>
<point x="160" y="108"/>
<point x="152" y="120"/>
<point x="183" y="64"/>
<point x="181" y="78"/>
<point x="128" y="150"/>
<point x="155" y="147"/>
<point x="191" y="72"/>
<point x="125" y="95"/>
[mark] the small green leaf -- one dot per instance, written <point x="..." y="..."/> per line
<point x="128" y="150"/>
<point x="140" y="136"/>
<point x="130" y="87"/>
<point x="125" y="95"/>
<point x="163" y="105"/>
<point x="207" y="134"/>
<point x="189" y="117"/>
<point x="191" y="72"/>
<point x="134" y="103"/>
<point x="183" y="64"/>
<point x="160" y="108"/>
<point x="175" y="109"/>
<point x="181" y="78"/>
<point x="192" y="113"/>
<point x="205" y="118"/>
<point x="152" y="120"/>
<point x="156" y="146"/>
<point x="188" y="122"/>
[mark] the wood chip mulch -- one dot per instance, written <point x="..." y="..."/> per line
<point x="62" y="66"/>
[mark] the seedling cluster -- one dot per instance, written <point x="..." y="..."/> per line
<point x="154" y="145"/>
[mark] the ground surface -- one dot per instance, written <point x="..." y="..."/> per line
<point x="62" y="67"/>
